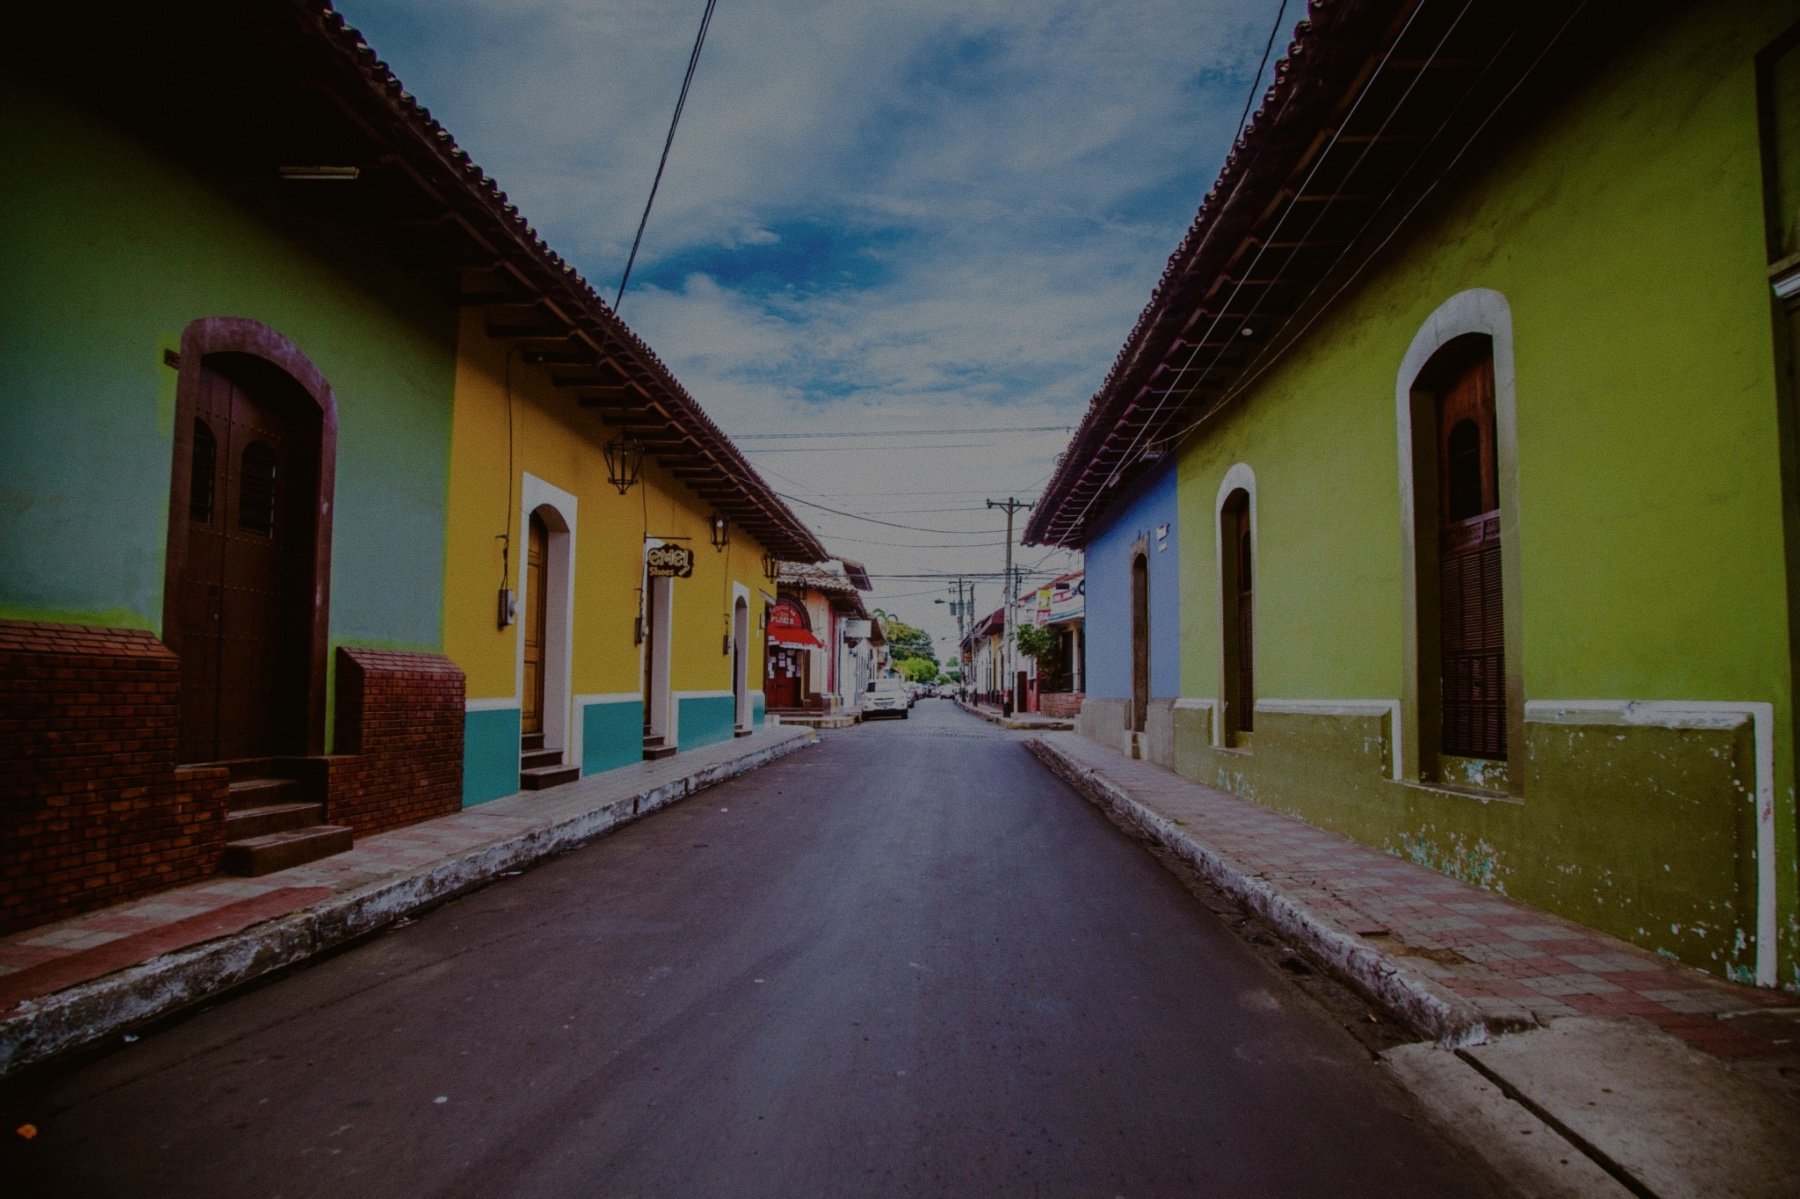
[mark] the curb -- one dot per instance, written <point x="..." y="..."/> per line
<point x="1041" y="725"/>
<point x="90" y="1012"/>
<point x="1420" y="1004"/>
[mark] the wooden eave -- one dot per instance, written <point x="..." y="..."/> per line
<point x="1374" y="101"/>
<point x="243" y="89"/>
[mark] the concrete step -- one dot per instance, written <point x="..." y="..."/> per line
<point x="279" y="851"/>
<point x="262" y="792"/>
<point x="248" y="768"/>
<point x="536" y="778"/>
<point x="243" y="824"/>
<point x="531" y="741"/>
<point x="657" y="748"/>
<point x="540" y="757"/>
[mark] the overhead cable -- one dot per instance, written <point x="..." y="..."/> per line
<point x="794" y="499"/>
<point x="680" y="103"/>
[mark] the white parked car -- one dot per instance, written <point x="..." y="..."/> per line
<point x="886" y="697"/>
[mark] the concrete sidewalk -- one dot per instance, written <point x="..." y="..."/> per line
<point x="1577" y="1063"/>
<point x="1018" y="720"/>
<point x="78" y="981"/>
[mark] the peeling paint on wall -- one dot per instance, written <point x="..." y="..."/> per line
<point x="1477" y="863"/>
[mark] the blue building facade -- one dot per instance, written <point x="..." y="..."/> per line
<point x="1140" y="522"/>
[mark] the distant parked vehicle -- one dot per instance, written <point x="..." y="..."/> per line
<point x="886" y="697"/>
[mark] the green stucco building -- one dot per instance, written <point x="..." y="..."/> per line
<point x="1475" y="369"/>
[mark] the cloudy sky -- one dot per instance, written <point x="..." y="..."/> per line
<point x="892" y="222"/>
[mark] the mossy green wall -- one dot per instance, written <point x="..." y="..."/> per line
<point x="1627" y="237"/>
<point x="107" y="251"/>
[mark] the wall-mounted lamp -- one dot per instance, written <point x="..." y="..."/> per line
<point x="771" y="566"/>
<point x="624" y="459"/>
<point x="721" y="530"/>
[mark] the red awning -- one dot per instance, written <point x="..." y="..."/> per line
<point x="785" y="635"/>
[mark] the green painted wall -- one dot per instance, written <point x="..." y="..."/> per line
<point x="1627" y="237"/>
<point x="612" y="735"/>
<point x="490" y="754"/>
<point x="108" y="251"/>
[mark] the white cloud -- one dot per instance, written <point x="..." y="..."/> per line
<point x="1018" y="172"/>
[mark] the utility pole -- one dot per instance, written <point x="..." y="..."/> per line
<point x="1011" y="506"/>
<point x="959" y="608"/>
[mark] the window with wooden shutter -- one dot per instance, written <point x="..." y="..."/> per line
<point x="1472" y="661"/>
<point x="1237" y="601"/>
<point x="256" y="489"/>
<point x="203" y="467"/>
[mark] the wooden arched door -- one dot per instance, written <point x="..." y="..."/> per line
<point x="245" y="584"/>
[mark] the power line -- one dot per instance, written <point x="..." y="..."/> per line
<point x="1251" y="98"/>
<point x="906" y="545"/>
<point x="794" y="499"/>
<point x="863" y="449"/>
<point x="680" y="103"/>
<point x="902" y="433"/>
<point x="1368" y="88"/>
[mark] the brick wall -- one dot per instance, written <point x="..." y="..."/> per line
<point x="399" y="739"/>
<point x="93" y="809"/>
<point x="1065" y="705"/>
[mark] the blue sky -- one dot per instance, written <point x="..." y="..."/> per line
<point x="930" y="215"/>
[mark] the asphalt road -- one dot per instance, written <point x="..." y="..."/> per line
<point x="907" y="962"/>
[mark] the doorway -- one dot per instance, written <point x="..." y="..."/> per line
<point x="537" y="552"/>
<point x="247" y="550"/>
<point x="740" y="664"/>
<point x="659" y="603"/>
<point x="1140" y="640"/>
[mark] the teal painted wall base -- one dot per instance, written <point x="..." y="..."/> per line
<point x="612" y="735"/>
<point x="704" y="719"/>
<point x="758" y="709"/>
<point x="490" y="754"/>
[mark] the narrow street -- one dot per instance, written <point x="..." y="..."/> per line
<point x="906" y="962"/>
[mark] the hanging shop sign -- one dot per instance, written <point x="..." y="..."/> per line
<point x="670" y="561"/>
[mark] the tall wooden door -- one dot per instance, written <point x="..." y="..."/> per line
<point x="649" y="655"/>
<point x="1140" y="641"/>
<point x="1472" y="630"/>
<point x="246" y="586"/>
<point x="537" y="552"/>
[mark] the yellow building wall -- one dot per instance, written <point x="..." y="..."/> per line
<point x="511" y="422"/>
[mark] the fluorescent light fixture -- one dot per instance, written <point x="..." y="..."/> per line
<point x="319" y="172"/>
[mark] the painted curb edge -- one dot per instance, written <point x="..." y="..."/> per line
<point x="89" y="1012"/>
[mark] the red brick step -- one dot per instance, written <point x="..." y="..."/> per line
<point x="241" y="824"/>
<point x="280" y="851"/>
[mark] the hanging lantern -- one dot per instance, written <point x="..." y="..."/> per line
<point x="771" y="566"/>
<point x="624" y="458"/>
<point x="721" y="530"/>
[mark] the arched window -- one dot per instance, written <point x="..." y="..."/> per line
<point x="1470" y="610"/>
<point x="1237" y="603"/>
<point x="1463" y="704"/>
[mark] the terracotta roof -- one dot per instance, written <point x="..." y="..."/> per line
<point x="1374" y="102"/>
<point x="839" y="588"/>
<point x="289" y="82"/>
